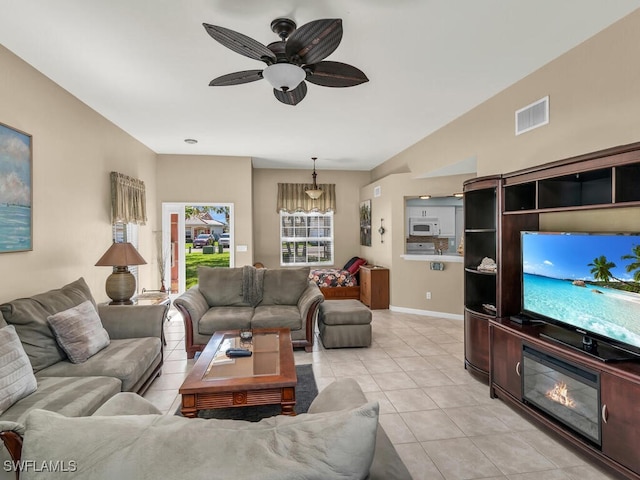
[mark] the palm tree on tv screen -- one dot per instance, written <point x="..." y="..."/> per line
<point x="635" y="265"/>
<point x="602" y="269"/>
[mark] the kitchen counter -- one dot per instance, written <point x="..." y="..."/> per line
<point x="433" y="258"/>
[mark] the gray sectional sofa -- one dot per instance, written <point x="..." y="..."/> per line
<point x="339" y="438"/>
<point x="130" y="362"/>
<point x="249" y="297"/>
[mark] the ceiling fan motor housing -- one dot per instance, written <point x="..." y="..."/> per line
<point x="283" y="27"/>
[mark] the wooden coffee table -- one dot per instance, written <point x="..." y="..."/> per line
<point x="268" y="377"/>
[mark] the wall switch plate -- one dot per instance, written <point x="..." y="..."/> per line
<point x="437" y="266"/>
<point x="241" y="248"/>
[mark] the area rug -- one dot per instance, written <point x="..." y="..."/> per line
<point x="306" y="391"/>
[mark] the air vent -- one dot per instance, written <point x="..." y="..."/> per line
<point x="532" y="116"/>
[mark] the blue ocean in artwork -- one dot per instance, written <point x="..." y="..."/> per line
<point x="606" y="311"/>
<point x="15" y="228"/>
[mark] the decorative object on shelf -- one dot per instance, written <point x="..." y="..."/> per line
<point x="314" y="192"/>
<point x="489" y="308"/>
<point x="16" y="165"/>
<point x="290" y="61"/>
<point x="381" y="230"/>
<point x="460" y="248"/>
<point x="487" y="265"/>
<point x="365" y="223"/>
<point x="121" y="284"/>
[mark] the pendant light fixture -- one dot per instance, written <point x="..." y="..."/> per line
<point x="314" y="192"/>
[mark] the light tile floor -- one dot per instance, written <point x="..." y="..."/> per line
<point x="439" y="417"/>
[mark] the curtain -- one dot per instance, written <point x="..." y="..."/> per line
<point x="128" y="202"/>
<point x="292" y="198"/>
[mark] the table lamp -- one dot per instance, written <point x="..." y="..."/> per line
<point x="121" y="284"/>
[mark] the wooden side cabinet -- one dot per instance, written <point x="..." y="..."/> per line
<point x="374" y="287"/>
<point x="506" y="358"/>
<point x="620" y="420"/>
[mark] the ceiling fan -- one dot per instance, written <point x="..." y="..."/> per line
<point x="296" y="57"/>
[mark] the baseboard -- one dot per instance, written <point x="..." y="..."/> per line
<point x="427" y="313"/>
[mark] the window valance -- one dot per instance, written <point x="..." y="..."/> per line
<point x="292" y="198"/>
<point x="128" y="200"/>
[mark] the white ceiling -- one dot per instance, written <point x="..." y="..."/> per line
<point x="146" y="65"/>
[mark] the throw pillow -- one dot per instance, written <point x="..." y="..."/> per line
<point x="349" y="263"/>
<point x="29" y="316"/>
<point x="16" y="375"/>
<point x="355" y="266"/>
<point x="79" y="331"/>
<point x="305" y="447"/>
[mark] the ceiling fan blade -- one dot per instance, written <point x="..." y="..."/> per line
<point x="335" y="74"/>
<point x="292" y="97"/>
<point x="314" y="41"/>
<point x="240" y="43"/>
<point x="236" y="78"/>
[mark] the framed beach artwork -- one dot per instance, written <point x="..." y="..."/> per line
<point x="16" y="219"/>
<point x="365" y="223"/>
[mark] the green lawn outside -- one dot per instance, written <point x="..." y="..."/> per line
<point x="197" y="258"/>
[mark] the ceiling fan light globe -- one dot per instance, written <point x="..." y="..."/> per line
<point x="284" y="76"/>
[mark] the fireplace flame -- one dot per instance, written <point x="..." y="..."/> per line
<point x="560" y="393"/>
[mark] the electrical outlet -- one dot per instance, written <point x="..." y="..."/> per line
<point x="428" y="295"/>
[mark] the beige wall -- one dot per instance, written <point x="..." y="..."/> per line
<point x="594" y="104"/>
<point x="200" y="179"/>
<point x="410" y="279"/>
<point x="74" y="150"/>
<point x="266" y="219"/>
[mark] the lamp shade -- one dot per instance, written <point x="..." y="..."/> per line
<point x="121" y="255"/>
<point x="284" y="76"/>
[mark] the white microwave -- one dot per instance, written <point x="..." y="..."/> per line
<point x="424" y="226"/>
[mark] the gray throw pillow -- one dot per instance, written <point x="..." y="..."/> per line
<point x="79" y="331"/>
<point x="305" y="447"/>
<point x="16" y="375"/>
<point x="29" y="316"/>
<point x="284" y="286"/>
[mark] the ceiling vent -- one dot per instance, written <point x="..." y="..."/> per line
<point x="532" y="116"/>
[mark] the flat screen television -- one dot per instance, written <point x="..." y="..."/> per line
<point x="587" y="283"/>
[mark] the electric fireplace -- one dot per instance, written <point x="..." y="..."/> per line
<point x="567" y="392"/>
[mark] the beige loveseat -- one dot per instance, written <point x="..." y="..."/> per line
<point x="249" y="297"/>
<point x="339" y="438"/>
<point x="130" y="362"/>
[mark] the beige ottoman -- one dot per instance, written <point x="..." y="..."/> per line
<point x="344" y="323"/>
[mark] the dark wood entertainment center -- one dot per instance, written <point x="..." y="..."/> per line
<point x="496" y="209"/>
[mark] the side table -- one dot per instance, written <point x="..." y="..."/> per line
<point x="154" y="297"/>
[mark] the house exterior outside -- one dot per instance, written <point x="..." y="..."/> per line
<point x="202" y="223"/>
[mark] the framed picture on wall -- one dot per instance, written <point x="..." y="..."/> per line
<point x="16" y="198"/>
<point x="365" y="223"/>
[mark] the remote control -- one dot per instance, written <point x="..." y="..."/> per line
<point x="238" y="352"/>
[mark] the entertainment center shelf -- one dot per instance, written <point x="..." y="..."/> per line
<point x="601" y="180"/>
<point x="497" y="209"/>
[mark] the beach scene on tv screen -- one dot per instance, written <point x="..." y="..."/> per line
<point x="589" y="281"/>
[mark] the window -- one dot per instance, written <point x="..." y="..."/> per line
<point x="127" y="232"/>
<point x="306" y="238"/>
